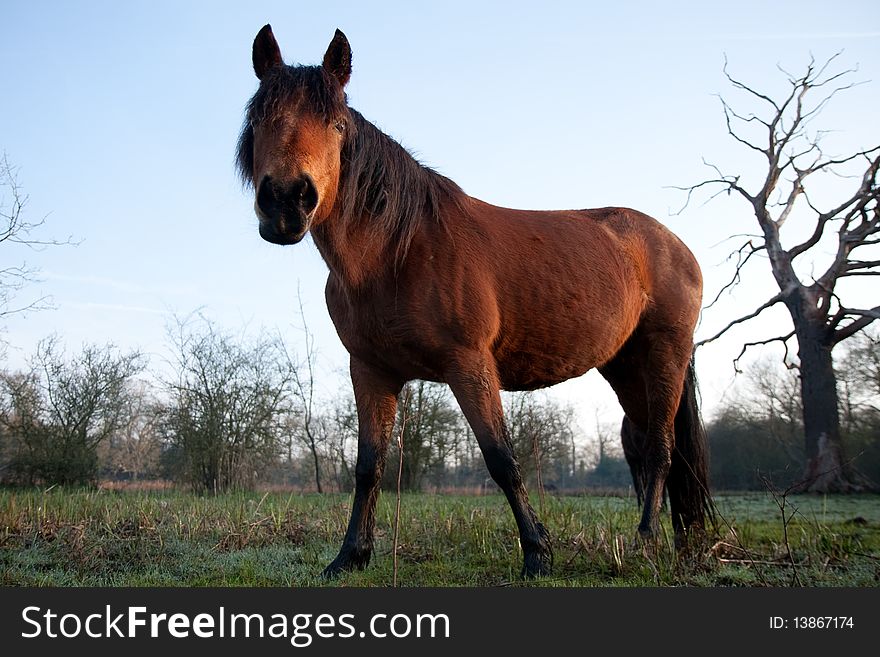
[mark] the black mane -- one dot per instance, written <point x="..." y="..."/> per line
<point x="380" y="181"/>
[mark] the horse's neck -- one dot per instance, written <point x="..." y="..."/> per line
<point x="354" y="254"/>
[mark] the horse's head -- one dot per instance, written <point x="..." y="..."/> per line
<point x="292" y="139"/>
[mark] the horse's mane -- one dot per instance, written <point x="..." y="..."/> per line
<point x="383" y="182"/>
<point x="380" y="181"/>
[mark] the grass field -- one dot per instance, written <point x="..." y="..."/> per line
<point x="167" y="538"/>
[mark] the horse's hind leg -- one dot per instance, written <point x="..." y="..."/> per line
<point x="376" y="397"/>
<point x="658" y="459"/>
<point x="633" y="439"/>
<point x="648" y="377"/>
<point x="474" y="383"/>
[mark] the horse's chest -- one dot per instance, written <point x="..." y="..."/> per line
<point x="380" y="333"/>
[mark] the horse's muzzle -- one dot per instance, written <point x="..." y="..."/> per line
<point x="281" y="234"/>
<point x="285" y="209"/>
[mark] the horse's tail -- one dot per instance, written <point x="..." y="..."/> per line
<point x="688" y="481"/>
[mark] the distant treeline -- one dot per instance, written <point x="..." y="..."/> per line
<point x="237" y="414"/>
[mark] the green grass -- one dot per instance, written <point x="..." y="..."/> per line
<point x="106" y="538"/>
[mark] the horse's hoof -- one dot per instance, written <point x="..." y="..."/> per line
<point x="538" y="562"/>
<point x="345" y="563"/>
<point x="537" y="565"/>
<point x="332" y="571"/>
<point x="648" y="534"/>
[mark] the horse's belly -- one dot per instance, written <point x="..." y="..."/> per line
<point x="545" y="349"/>
<point x="529" y="371"/>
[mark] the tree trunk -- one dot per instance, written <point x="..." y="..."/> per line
<point x="314" y="450"/>
<point x="826" y="469"/>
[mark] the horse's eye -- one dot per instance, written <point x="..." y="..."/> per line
<point x="339" y="126"/>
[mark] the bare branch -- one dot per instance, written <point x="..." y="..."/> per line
<point x="854" y="265"/>
<point x="779" y="140"/>
<point x="746" y="88"/>
<point x="764" y="306"/>
<point x="859" y="273"/>
<point x="866" y="192"/>
<point x="728" y="184"/>
<point x="797" y="188"/>
<point x="728" y="113"/>
<point x="865" y="318"/>
<point x="873" y="313"/>
<point x="800" y="87"/>
<point x="780" y="338"/>
<point x="828" y="63"/>
<point x="16" y="229"/>
<point x="741" y="261"/>
<point x="43" y="303"/>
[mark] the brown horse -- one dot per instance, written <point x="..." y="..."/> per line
<point x="429" y="283"/>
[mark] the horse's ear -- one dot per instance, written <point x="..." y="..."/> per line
<point x="337" y="59"/>
<point x="266" y="54"/>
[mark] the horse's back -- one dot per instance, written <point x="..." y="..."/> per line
<point x="626" y="245"/>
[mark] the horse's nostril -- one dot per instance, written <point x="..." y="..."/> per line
<point x="308" y="199"/>
<point x="266" y="199"/>
<point x="276" y="198"/>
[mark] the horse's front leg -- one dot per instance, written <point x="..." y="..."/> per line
<point x="375" y="395"/>
<point x="474" y="383"/>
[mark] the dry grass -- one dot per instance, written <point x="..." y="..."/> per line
<point x="164" y="537"/>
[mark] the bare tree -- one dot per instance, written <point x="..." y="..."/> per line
<point x="228" y="405"/>
<point x="543" y="437"/>
<point x="863" y="364"/>
<point x="17" y="231"/>
<point x="791" y="156"/>
<point x="339" y="425"/>
<point x="430" y="429"/>
<point x="60" y="411"/>
<point x="135" y="450"/>
<point x="858" y="373"/>
<point x="304" y="389"/>
<point x="772" y="399"/>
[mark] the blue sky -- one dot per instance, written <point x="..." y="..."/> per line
<point x="123" y="118"/>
